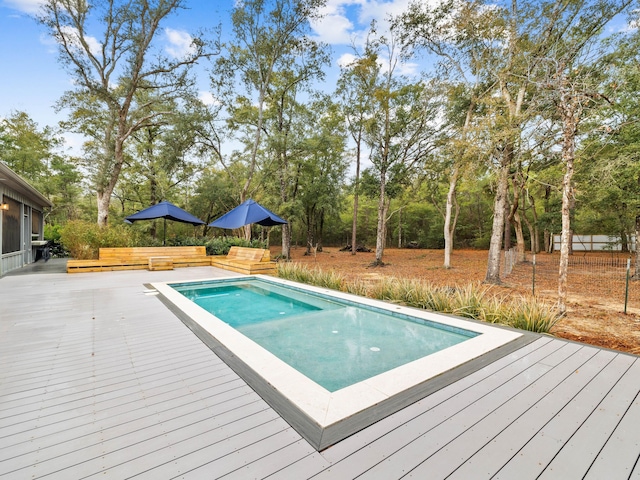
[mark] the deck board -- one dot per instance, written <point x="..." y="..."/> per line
<point x="469" y="450"/>
<point x="464" y="416"/>
<point x="436" y="418"/>
<point x="99" y="379"/>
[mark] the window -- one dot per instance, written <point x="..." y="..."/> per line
<point x="11" y="226"/>
<point x="35" y="224"/>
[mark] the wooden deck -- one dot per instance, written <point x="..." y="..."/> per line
<point x="100" y="380"/>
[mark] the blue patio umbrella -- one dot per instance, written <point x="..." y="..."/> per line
<point x="164" y="210"/>
<point x="246" y="213"/>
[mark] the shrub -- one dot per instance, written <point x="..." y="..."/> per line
<point x="52" y="235"/>
<point x="84" y="239"/>
<point x="222" y="245"/>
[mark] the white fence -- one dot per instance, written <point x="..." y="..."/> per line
<point x="596" y="243"/>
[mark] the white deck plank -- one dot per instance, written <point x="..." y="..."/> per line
<point x="99" y="379"/>
<point x="499" y="432"/>
<point x="458" y="422"/>
<point x="435" y="418"/>
<point x="361" y="439"/>
<point x="619" y="455"/>
<point x="579" y="452"/>
<point x="275" y="461"/>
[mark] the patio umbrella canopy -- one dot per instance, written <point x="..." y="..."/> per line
<point x="247" y="213"/>
<point x="164" y="210"/>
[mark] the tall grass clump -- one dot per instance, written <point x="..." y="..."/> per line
<point x="356" y="287"/>
<point x="532" y="314"/>
<point x="384" y="289"/>
<point x="470" y="301"/>
<point x="311" y="276"/>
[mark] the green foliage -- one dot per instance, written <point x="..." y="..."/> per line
<point x="84" y="239"/>
<point x="473" y="301"/>
<point x="222" y="245"/>
<point x="52" y="232"/>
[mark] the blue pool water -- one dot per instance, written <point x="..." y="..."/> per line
<point x="335" y="343"/>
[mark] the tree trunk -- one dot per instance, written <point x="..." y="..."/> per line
<point x="507" y="223"/>
<point x="110" y="178"/>
<point x="532" y="234"/>
<point x="310" y="239"/>
<point x="499" y="207"/>
<point x="521" y="255"/>
<point x="636" y="275"/>
<point x="382" y="213"/>
<point x="548" y="241"/>
<point x="104" y="199"/>
<point x="286" y="241"/>
<point x="356" y="194"/>
<point x="570" y="125"/>
<point x="400" y="228"/>
<point x="449" y="226"/>
<point x="320" y="232"/>
<point x="153" y="189"/>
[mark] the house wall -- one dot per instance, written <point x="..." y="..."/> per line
<point x="27" y="208"/>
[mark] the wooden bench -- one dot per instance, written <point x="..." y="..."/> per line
<point x="246" y="260"/>
<point x="139" y="258"/>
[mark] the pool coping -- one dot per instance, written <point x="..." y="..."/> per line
<point x="322" y="417"/>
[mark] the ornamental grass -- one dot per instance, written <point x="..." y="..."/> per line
<point x="474" y="301"/>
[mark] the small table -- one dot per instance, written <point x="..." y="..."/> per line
<point x="160" y="263"/>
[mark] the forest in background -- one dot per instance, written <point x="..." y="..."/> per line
<point x="523" y="124"/>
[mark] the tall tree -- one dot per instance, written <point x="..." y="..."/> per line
<point x="37" y="155"/>
<point x="26" y="148"/>
<point x="454" y="32"/>
<point x="610" y="180"/>
<point x="323" y="170"/>
<point x="355" y="89"/>
<point x="268" y="36"/>
<point x="402" y="131"/>
<point x="109" y="70"/>
<point x="571" y="77"/>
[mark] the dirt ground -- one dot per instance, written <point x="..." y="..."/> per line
<point x="592" y="316"/>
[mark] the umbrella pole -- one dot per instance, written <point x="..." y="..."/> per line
<point x="164" y="233"/>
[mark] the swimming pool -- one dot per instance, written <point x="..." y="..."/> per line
<point x="325" y="414"/>
<point x="333" y="342"/>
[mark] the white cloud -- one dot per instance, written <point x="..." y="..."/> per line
<point x="380" y="11"/>
<point x="26" y="6"/>
<point x="403" y="68"/>
<point x="334" y="28"/>
<point x="346" y="22"/>
<point x="180" y="43"/>
<point x="208" y="99"/>
<point x="73" y="143"/>
<point x="71" y="34"/>
<point x="346" y="59"/>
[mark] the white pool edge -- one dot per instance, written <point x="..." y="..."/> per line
<point x="325" y="409"/>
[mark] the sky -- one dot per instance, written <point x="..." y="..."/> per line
<point x="31" y="80"/>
